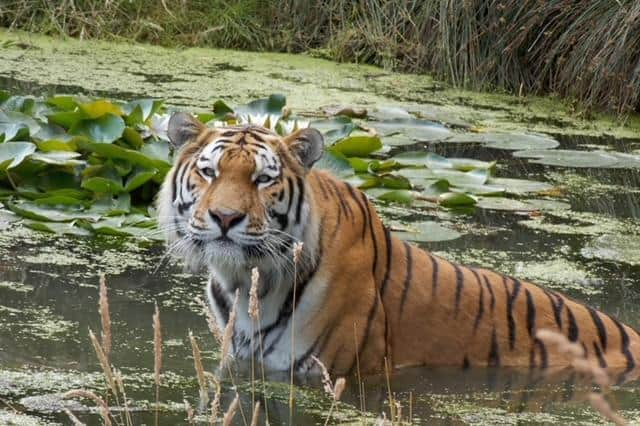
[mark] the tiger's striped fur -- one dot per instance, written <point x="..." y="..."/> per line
<point x="361" y="294"/>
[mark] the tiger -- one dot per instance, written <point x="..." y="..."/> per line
<point x="357" y="298"/>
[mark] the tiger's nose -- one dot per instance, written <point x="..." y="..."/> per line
<point x="226" y="220"/>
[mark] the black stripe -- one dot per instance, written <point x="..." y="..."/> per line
<point x="557" y="307"/>
<point x="373" y="240"/>
<point x="492" y="296"/>
<point x="221" y="301"/>
<point x="367" y="330"/>
<point x="185" y="166"/>
<point x="531" y="313"/>
<point x="601" y="361"/>
<point x="300" y="198"/>
<point x="465" y="363"/>
<point x="602" y="332"/>
<point x="459" y="285"/>
<point x="360" y="206"/>
<point x="434" y="274"/>
<point x="511" y="297"/>
<point x="174" y="187"/>
<point x="387" y="271"/>
<point x="305" y="356"/>
<point x="345" y="206"/>
<point x="544" y="357"/>
<point x="494" y="352"/>
<point x="325" y="194"/>
<point x="624" y="345"/>
<point x="408" y="277"/>
<point x="291" y="192"/>
<point x="476" y="322"/>
<point x="287" y="307"/>
<point x="572" y="332"/>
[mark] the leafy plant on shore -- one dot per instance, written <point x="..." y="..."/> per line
<point x="80" y="166"/>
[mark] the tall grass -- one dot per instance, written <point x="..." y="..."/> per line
<point x="585" y="50"/>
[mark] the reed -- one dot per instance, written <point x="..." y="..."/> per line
<point x="105" y="316"/>
<point x="589" y="368"/>
<point x="197" y="362"/>
<point x="104" y="364"/>
<point x="157" y="356"/>
<point x="231" y="411"/>
<point x="255" y="417"/>
<point x="105" y="413"/>
<point x="227" y="335"/>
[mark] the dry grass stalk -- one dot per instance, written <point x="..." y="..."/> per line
<point x="197" y="361"/>
<point x="211" y="322"/>
<point x="74" y="420"/>
<point x="564" y="346"/>
<point x="254" y="305"/>
<point x="157" y="358"/>
<point x="127" y="411"/>
<point x="603" y="407"/>
<point x="190" y="412"/>
<point x="334" y="390"/>
<point x="231" y="411"/>
<point x="104" y="363"/>
<point x="105" y="317"/>
<point x="215" y="403"/>
<point x="104" y="408"/>
<point x="255" y="418"/>
<point x="297" y="252"/>
<point x="582" y="365"/>
<point x="227" y="336"/>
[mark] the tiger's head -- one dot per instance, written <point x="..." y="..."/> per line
<point x="235" y="195"/>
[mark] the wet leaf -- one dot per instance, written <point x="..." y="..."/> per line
<point x="357" y="146"/>
<point x="11" y="123"/>
<point x="401" y="196"/>
<point x="456" y="199"/>
<point x="14" y="153"/>
<point x="99" y="108"/>
<point x="427" y="232"/>
<point x="568" y="158"/>
<point x="139" y="177"/>
<point x="59" y="158"/>
<point x="419" y="130"/>
<point x="105" y="129"/>
<point x="519" y="186"/>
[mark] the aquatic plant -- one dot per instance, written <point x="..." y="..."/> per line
<point x="80" y="166"/>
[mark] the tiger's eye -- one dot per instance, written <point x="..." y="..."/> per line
<point x="208" y="171"/>
<point x="263" y="179"/>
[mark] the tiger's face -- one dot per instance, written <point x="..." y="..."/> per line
<point x="236" y="194"/>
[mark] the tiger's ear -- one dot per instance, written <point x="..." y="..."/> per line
<point x="307" y="145"/>
<point x="183" y="128"/>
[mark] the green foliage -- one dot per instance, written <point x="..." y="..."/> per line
<point x="96" y="165"/>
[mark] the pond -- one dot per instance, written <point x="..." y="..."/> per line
<point x="566" y="217"/>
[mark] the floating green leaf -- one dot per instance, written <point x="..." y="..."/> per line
<point x="357" y="146"/>
<point x="569" y="158"/>
<point x="14" y="153"/>
<point x="426" y="232"/>
<point x="104" y="129"/>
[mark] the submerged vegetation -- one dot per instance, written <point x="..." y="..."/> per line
<point x="587" y="51"/>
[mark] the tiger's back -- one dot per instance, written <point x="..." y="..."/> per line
<point x="434" y="312"/>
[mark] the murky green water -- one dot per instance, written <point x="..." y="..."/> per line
<point x="586" y="242"/>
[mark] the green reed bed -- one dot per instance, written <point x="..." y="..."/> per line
<point x="588" y="51"/>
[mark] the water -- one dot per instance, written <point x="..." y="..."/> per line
<point x="49" y="284"/>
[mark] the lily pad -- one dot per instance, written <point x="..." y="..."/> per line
<point x="14" y="153"/>
<point x="357" y="146"/>
<point x="416" y="129"/>
<point x="427" y="231"/>
<point x="568" y="158"/>
<point x="104" y="129"/>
